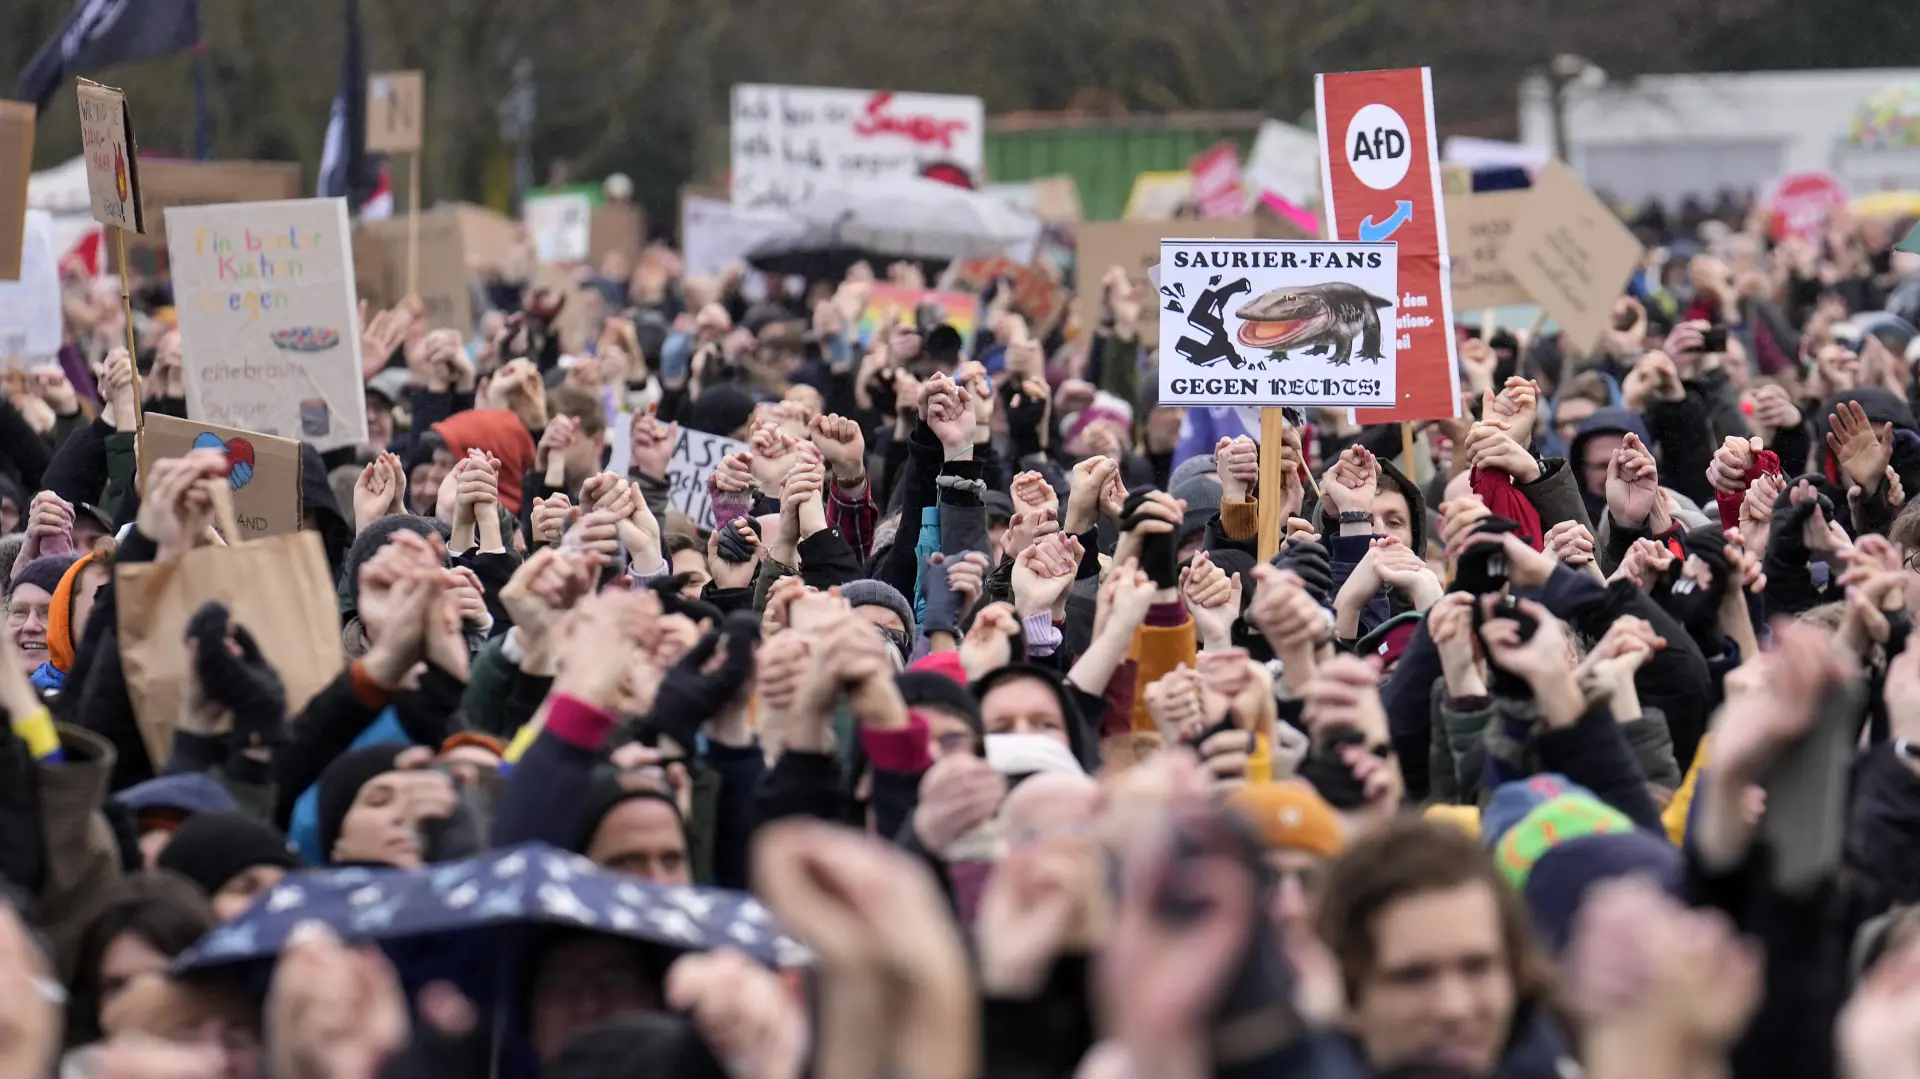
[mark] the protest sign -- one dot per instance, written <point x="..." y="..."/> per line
<point x="269" y="327"/>
<point x="396" y="101"/>
<point x="263" y="473"/>
<point x="790" y="141"/>
<point x="1285" y="162"/>
<point x="1159" y="196"/>
<point x="1217" y="187"/>
<point x="1036" y="294"/>
<point x="1380" y="175"/>
<point x="491" y="239"/>
<point x="1133" y="246"/>
<point x="30" y="307"/>
<point x="715" y="232"/>
<point x="113" y="169"/>
<point x="561" y="225"/>
<point x="169" y="182"/>
<point x="1799" y="203"/>
<point x="616" y="228"/>
<point x="1571" y="253"/>
<point x="957" y="309"/>
<point x="16" y="165"/>
<point x="1276" y="322"/>
<point x="1477" y="228"/>
<point x="695" y="457"/>
<point x="380" y="258"/>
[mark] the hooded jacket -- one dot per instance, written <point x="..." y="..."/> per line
<point x="495" y="431"/>
<point x="317" y="498"/>
<point x="1081" y="737"/>
<point x="1607" y="421"/>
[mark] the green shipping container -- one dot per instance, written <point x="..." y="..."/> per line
<point x="1104" y="154"/>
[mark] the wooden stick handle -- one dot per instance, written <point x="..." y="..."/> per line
<point x="133" y="356"/>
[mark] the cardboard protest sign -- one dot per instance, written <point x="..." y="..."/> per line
<point x="789" y="141"/>
<point x="396" y="104"/>
<point x="167" y="182"/>
<point x="1477" y="228"/>
<point x="490" y="238"/>
<point x="1571" y="253"/>
<point x="380" y="260"/>
<point x="957" y="309"/>
<point x="113" y="167"/>
<point x="1036" y="293"/>
<point x="16" y="165"/>
<point x="1284" y="162"/>
<point x="1159" y="196"/>
<point x="1133" y="246"/>
<point x="561" y="225"/>
<point x="616" y="228"/>
<point x="1217" y="187"/>
<point x="695" y="457"/>
<point x="30" y="307"/>
<point x="1276" y="322"/>
<point x="264" y="473"/>
<point x="269" y="324"/>
<point x="1380" y="174"/>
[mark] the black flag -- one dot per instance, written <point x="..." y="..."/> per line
<point x="346" y="169"/>
<point x="103" y="33"/>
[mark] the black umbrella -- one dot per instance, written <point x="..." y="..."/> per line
<point x="818" y="252"/>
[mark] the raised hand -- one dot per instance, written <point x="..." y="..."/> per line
<point x="843" y="446"/>
<point x="1489" y="445"/>
<point x="1213" y="598"/>
<point x="1732" y="462"/>
<point x="1633" y="488"/>
<point x="1087" y="496"/>
<point x="1351" y="484"/>
<point x="1043" y="573"/>
<point x="652" y="446"/>
<point x="1031" y="492"/>
<point x="178" y="508"/>
<point x="1862" y="449"/>
<point x="1237" y="462"/>
<point x="49" y="522"/>
<point x="1517" y="406"/>
<point x="1571" y="543"/>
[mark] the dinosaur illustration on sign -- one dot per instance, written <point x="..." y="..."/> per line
<point x="1314" y="317"/>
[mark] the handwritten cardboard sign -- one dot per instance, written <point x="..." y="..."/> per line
<point x="113" y="167"/>
<point x="30" y="307"/>
<point x="1134" y="246"/>
<point x="561" y="225"/>
<point x="380" y="260"/>
<point x="169" y="182"/>
<point x="789" y="141"/>
<point x="396" y="101"/>
<point x="1571" y="253"/>
<point x="264" y="470"/>
<point x="269" y="322"/>
<point x="616" y="228"/>
<point x="16" y="165"/>
<point x="695" y="457"/>
<point x="1477" y="229"/>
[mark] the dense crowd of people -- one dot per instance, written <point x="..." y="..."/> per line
<point x="970" y="735"/>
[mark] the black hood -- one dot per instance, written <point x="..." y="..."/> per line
<point x="316" y="496"/>
<point x="1081" y="737"/>
<point x="1391" y="479"/>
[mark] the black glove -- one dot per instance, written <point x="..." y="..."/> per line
<point x="246" y="684"/>
<point x="690" y="694"/>
<point x="1026" y="416"/>
<point x="1312" y="562"/>
<point x="732" y="546"/>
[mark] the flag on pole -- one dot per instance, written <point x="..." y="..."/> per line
<point x="346" y="169"/>
<point x="103" y="33"/>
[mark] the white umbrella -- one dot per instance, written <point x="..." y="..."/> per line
<point x="918" y="218"/>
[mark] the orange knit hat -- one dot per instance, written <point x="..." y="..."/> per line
<point x="1290" y="815"/>
<point x="60" y="642"/>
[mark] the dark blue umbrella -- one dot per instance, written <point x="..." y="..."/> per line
<point x="468" y="921"/>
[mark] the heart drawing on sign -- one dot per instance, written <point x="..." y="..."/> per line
<point x="239" y="456"/>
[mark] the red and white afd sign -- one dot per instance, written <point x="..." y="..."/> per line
<point x="1380" y="183"/>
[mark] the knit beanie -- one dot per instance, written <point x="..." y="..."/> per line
<point x="606" y="793"/>
<point x="1511" y="802"/>
<point x="721" y="410"/>
<point x="44" y="572"/>
<point x="1549" y="825"/>
<point x="608" y="1050"/>
<point x="931" y="689"/>
<point x="60" y="637"/>
<point x="867" y="592"/>
<point x="1563" y="876"/>
<point x="211" y="849"/>
<point x="1290" y="815"/>
<point x="340" y="784"/>
<point x="368" y="543"/>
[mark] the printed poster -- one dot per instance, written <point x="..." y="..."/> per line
<point x="957" y="309"/>
<point x="1380" y="170"/>
<point x="1277" y="322"/>
<point x="561" y="225"/>
<point x="695" y="457"/>
<point x="113" y="169"/>
<point x="263" y="471"/>
<point x="790" y="141"/>
<point x="269" y="322"/>
<point x="30" y="307"/>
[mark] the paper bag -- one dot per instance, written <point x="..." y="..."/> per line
<point x="279" y="588"/>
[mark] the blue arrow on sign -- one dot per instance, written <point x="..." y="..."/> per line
<point x="1373" y="234"/>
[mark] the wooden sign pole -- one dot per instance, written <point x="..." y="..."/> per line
<point x="1273" y="433"/>
<point x="1406" y="452"/>
<point x="413" y="223"/>
<point x="133" y="353"/>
